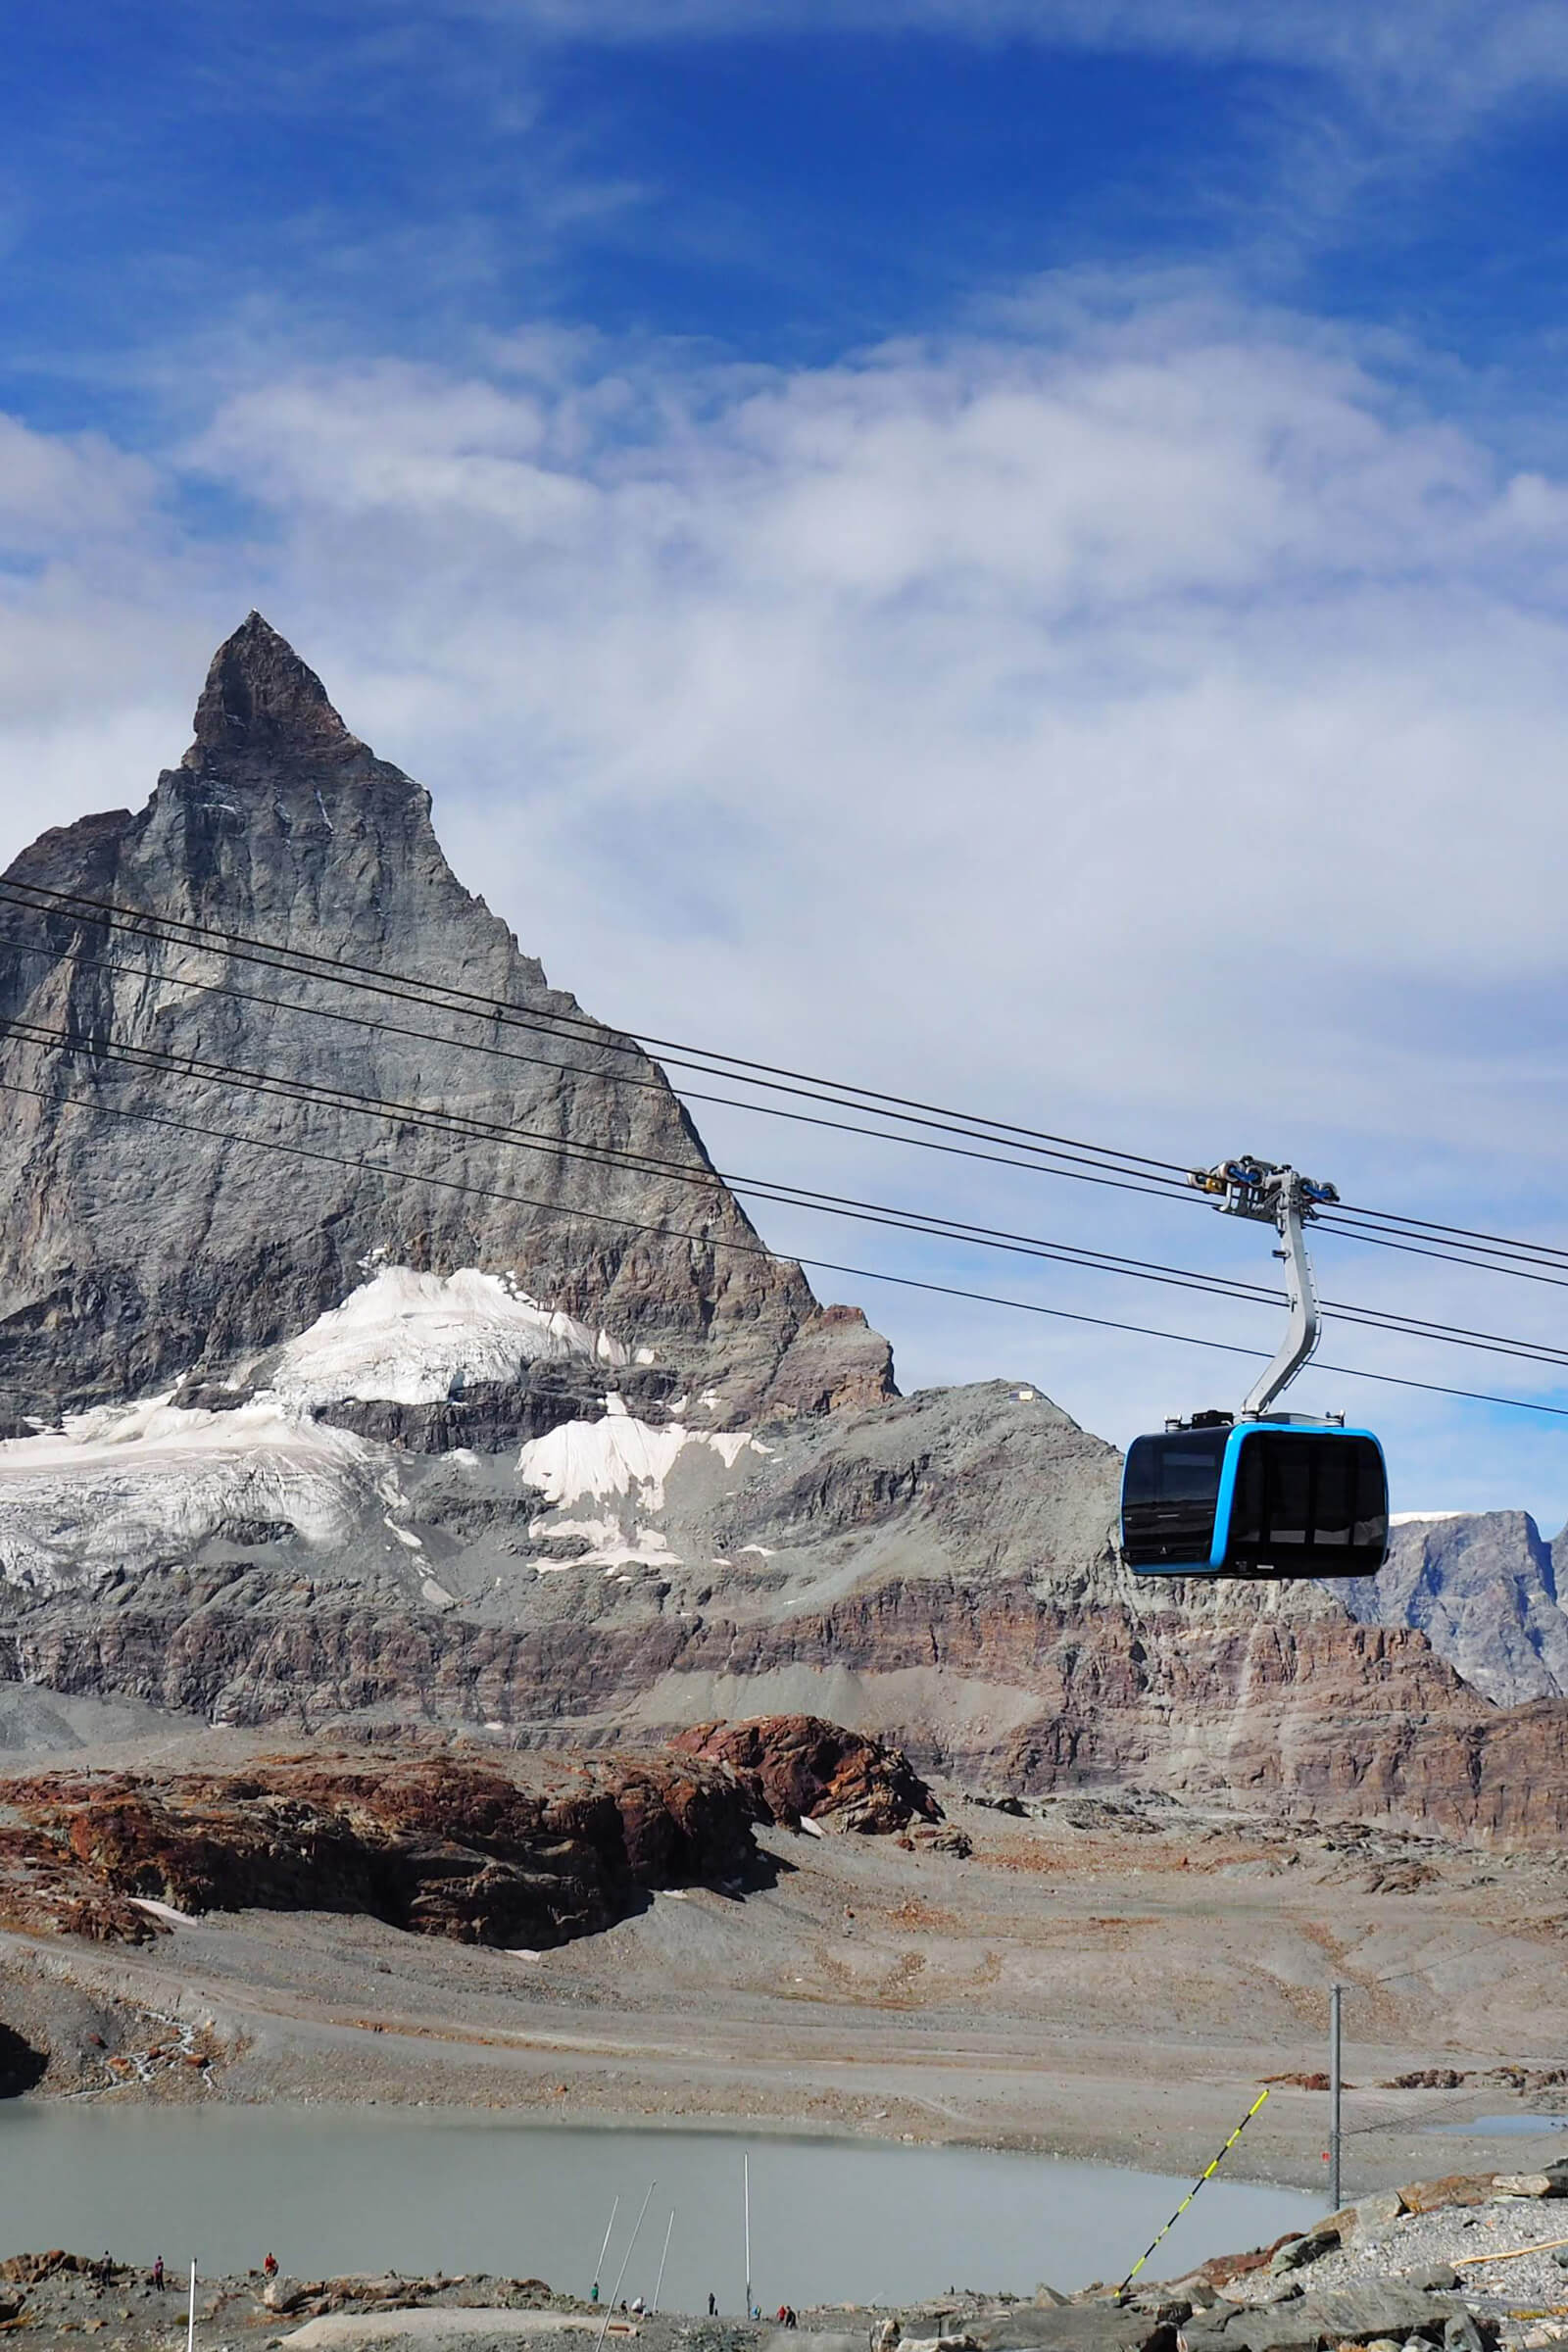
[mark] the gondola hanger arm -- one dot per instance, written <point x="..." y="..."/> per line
<point x="1281" y="1197"/>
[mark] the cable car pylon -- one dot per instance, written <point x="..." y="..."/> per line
<point x="1261" y="1493"/>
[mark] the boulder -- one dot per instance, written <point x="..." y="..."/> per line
<point x="1454" y="2188"/>
<point x="1298" y="2252"/>
<point x="1330" y="2316"/>
<point x="1552" y="2181"/>
<point x="287" y="2294"/>
<point x="1378" y="2211"/>
<point x="1075" y="2328"/>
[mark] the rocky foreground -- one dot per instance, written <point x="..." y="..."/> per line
<point x="1465" y="2264"/>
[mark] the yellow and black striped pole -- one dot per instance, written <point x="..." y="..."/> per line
<point x="1193" y="2192"/>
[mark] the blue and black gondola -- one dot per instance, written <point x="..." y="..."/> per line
<point x="1267" y="1498"/>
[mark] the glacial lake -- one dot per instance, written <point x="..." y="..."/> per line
<point x="333" y="2190"/>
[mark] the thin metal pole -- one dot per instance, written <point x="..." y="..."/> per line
<point x="659" y="2285"/>
<point x="746" y="2186"/>
<point x="621" y="2276"/>
<point x="190" y="2323"/>
<point x="599" y="2266"/>
<point x="1334" y="1993"/>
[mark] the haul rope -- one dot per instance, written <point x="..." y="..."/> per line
<point x="1193" y="2192"/>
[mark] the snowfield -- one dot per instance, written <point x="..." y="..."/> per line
<point x="415" y="1339"/>
<point x="130" y="1486"/>
<point x="127" y="1485"/>
<point x="626" y="1465"/>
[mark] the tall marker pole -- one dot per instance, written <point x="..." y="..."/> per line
<point x="745" y="2191"/>
<point x="621" y="2275"/>
<point x="605" y="2248"/>
<point x="190" y="2323"/>
<point x="1335" y="1993"/>
<point x="659" y="2285"/>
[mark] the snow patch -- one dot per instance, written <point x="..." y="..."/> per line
<point x="610" y="1546"/>
<point x="166" y="1911"/>
<point x="620" y="1456"/>
<point x="1422" y="1518"/>
<point x="416" y="1339"/>
<point x="619" y="1462"/>
<point x="125" y="1485"/>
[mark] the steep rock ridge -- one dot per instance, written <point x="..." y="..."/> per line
<point x="1483" y="1587"/>
<point x="139" y="1253"/>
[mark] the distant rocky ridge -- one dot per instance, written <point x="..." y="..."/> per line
<point x="309" y="1443"/>
<point x="437" y="1845"/>
<point x="1483" y="1587"/>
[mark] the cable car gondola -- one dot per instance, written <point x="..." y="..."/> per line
<point x="1261" y="1494"/>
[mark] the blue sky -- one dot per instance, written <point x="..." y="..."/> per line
<point x="1008" y="549"/>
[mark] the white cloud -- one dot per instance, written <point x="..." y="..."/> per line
<point x="63" y="489"/>
<point x="1139" y="719"/>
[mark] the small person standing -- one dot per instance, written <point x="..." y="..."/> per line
<point x="158" y="2273"/>
<point x="713" y="2304"/>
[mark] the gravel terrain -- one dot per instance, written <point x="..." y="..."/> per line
<point x="1410" y="2247"/>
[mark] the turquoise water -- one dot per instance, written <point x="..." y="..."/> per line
<point x="346" y="2190"/>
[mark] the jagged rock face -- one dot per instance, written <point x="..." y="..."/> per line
<point x="1483" y="1587"/>
<point x="804" y="1769"/>
<point x="447" y="1846"/>
<point x="137" y="1253"/>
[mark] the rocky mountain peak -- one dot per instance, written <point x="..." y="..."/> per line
<point x="322" y="1135"/>
<point x="261" y="700"/>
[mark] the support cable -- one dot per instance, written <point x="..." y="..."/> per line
<point x="755" y="1249"/>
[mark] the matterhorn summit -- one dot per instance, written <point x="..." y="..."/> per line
<point x="210" y="1150"/>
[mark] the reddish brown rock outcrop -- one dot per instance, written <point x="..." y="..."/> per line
<point x="437" y="1845"/>
<point x="800" y="1764"/>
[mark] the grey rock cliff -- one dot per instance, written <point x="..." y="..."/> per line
<point x="138" y="1252"/>
<point x="1483" y="1587"/>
